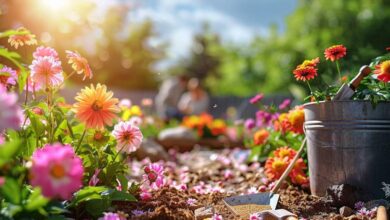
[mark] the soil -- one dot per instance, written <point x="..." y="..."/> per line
<point x="207" y="170"/>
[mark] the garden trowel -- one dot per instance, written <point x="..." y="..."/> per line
<point x="347" y="90"/>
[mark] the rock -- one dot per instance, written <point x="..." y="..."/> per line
<point x="181" y="139"/>
<point x="151" y="149"/>
<point x="204" y="213"/>
<point x="342" y="195"/>
<point x="345" y="211"/>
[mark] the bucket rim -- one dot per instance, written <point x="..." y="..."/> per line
<point x="341" y="101"/>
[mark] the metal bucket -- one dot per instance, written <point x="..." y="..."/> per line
<point x="348" y="142"/>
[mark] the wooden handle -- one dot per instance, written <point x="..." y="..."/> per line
<point x="381" y="213"/>
<point x="363" y="72"/>
<point x="289" y="168"/>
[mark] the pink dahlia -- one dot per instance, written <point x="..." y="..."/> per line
<point x="11" y="114"/>
<point x="46" y="71"/>
<point x="79" y="64"/>
<point x="113" y="216"/>
<point x="8" y="76"/>
<point x="45" y="52"/>
<point x="128" y="136"/>
<point x="154" y="174"/>
<point x="57" y="170"/>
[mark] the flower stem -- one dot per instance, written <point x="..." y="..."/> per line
<point x="311" y="91"/>
<point x="338" y="70"/>
<point x="25" y="100"/>
<point x="117" y="153"/>
<point x="81" y="140"/>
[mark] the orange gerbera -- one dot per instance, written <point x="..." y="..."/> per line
<point x="96" y="107"/>
<point x="312" y="63"/>
<point x="260" y="137"/>
<point x="275" y="166"/>
<point x="296" y="118"/>
<point x="24" y="37"/>
<point x="218" y="127"/>
<point x="383" y="71"/>
<point x="285" y="151"/>
<point x="281" y="124"/>
<point x="335" y="52"/>
<point x="79" y="64"/>
<point x="305" y="73"/>
<point x="299" y="178"/>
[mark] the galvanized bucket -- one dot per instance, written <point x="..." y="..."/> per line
<point x="348" y="142"/>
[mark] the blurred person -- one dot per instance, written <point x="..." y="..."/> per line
<point x="195" y="101"/>
<point x="169" y="95"/>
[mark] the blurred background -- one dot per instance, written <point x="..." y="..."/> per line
<point x="236" y="47"/>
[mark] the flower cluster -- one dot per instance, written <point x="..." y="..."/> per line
<point x="275" y="166"/>
<point x="291" y="121"/>
<point x="205" y="125"/>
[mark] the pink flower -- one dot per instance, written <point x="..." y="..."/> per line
<point x="119" y="186"/>
<point x="94" y="179"/>
<point x="46" y="71"/>
<point x="154" y="174"/>
<point x="11" y="114"/>
<point x="125" y="103"/>
<point x="57" y="170"/>
<point x="79" y="64"/>
<point x="217" y="217"/>
<point x="255" y="216"/>
<point x="2" y="139"/>
<point x="112" y="216"/>
<point x="45" y="52"/>
<point x="8" y="76"/>
<point x="250" y="124"/>
<point x="359" y="205"/>
<point x="136" y="121"/>
<point x="145" y="196"/>
<point x="191" y="201"/>
<point x="255" y="99"/>
<point x="286" y="103"/>
<point x="2" y="181"/>
<point x="32" y="86"/>
<point x="252" y="190"/>
<point x="128" y="136"/>
<point x="262" y="188"/>
<point x="228" y="174"/>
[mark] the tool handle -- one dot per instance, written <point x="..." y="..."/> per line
<point x="381" y="213"/>
<point x="363" y="72"/>
<point x="289" y="168"/>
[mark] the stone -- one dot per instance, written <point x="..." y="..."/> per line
<point x="153" y="150"/>
<point x="342" y="195"/>
<point x="204" y="213"/>
<point x="180" y="138"/>
<point x="345" y="211"/>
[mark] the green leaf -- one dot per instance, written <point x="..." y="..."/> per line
<point x="88" y="193"/>
<point x="9" y="150"/>
<point x="8" y="33"/>
<point x="10" y="190"/>
<point x="96" y="207"/>
<point x="36" y="201"/>
<point x="122" y="196"/>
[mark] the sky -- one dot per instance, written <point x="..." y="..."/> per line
<point x="238" y="21"/>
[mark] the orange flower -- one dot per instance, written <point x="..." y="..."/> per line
<point x="311" y="63"/>
<point x="218" y="127"/>
<point x="344" y="79"/>
<point x="335" y="52"/>
<point x="260" y="137"/>
<point x="383" y="71"/>
<point x="192" y="121"/>
<point x="79" y="64"/>
<point x="299" y="178"/>
<point x="281" y="124"/>
<point x="305" y="73"/>
<point x="296" y="118"/>
<point x="205" y="119"/>
<point x="96" y="107"/>
<point x="283" y="152"/>
<point x="24" y="37"/>
<point x="275" y="166"/>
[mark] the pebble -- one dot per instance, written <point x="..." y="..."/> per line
<point x="204" y="213"/>
<point x="345" y="211"/>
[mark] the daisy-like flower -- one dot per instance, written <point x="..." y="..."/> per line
<point x="11" y="114"/>
<point x="96" y="107"/>
<point x="260" y="137"/>
<point x="45" y="52"/>
<point x="79" y="64"/>
<point x="57" y="170"/>
<point x="255" y="99"/>
<point x="274" y="167"/>
<point x="335" y="52"/>
<point x="296" y="118"/>
<point x="382" y="71"/>
<point x="305" y="73"/>
<point x="8" y="76"/>
<point x="46" y="71"/>
<point x="299" y="178"/>
<point x="218" y="127"/>
<point x="23" y="38"/>
<point x="283" y="152"/>
<point x="128" y="136"/>
<point x="154" y="174"/>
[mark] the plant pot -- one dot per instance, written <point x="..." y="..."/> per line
<point x="348" y="143"/>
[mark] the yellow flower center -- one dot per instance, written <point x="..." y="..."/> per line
<point x="385" y="67"/>
<point x="57" y="171"/>
<point x="278" y="165"/>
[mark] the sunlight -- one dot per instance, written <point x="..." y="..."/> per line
<point x="54" y="5"/>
